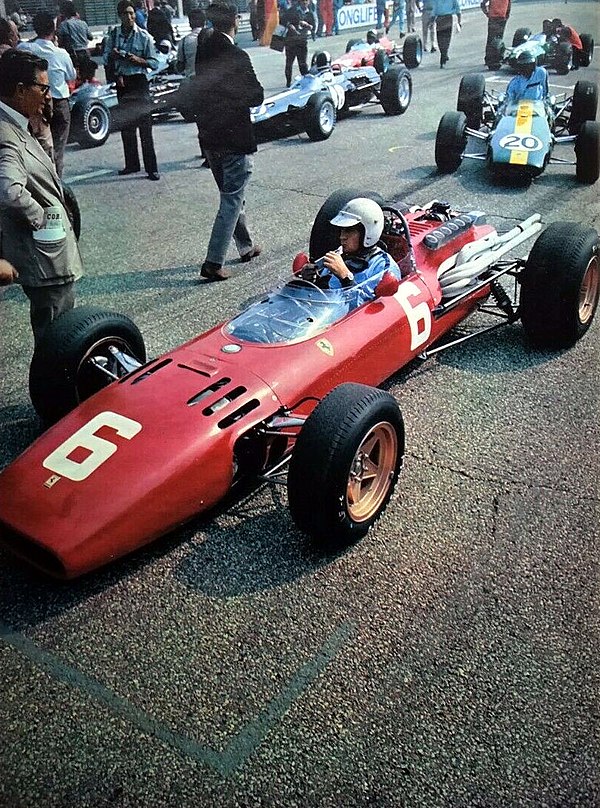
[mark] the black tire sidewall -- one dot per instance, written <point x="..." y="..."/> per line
<point x="321" y="461"/>
<point x="56" y="359"/>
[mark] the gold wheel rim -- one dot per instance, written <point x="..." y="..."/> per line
<point x="588" y="291"/>
<point x="372" y="472"/>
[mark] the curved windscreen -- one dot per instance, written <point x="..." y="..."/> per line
<point x="297" y="311"/>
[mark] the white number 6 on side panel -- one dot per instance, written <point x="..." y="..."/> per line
<point x="419" y="316"/>
<point x="86" y="438"/>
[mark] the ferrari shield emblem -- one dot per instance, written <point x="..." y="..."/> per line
<point x="325" y="346"/>
<point x="52" y="481"/>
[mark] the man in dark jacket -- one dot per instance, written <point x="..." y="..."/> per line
<point x="226" y="88"/>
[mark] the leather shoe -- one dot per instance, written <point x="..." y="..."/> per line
<point x="213" y="272"/>
<point x="124" y="171"/>
<point x="254" y="253"/>
<point x="153" y="175"/>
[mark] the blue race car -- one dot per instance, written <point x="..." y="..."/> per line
<point x="519" y="138"/>
<point x="315" y="101"/>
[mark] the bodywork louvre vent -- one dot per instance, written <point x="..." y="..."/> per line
<point x="238" y="414"/>
<point x="151" y="370"/>
<point x="226" y="399"/>
<point x="208" y="391"/>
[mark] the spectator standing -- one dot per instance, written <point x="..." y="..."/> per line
<point x="9" y="35"/>
<point x="337" y="5"/>
<point x="299" y="22"/>
<point x="133" y="53"/>
<point x="398" y="13"/>
<point x="227" y="87"/>
<point x="497" y="12"/>
<point x="428" y="24"/>
<point x="46" y="258"/>
<point x="141" y="14"/>
<point x="326" y="8"/>
<point x="168" y="10"/>
<point x="410" y="16"/>
<point x="443" y="11"/>
<point x="380" y="11"/>
<point x="74" y="34"/>
<point x="60" y="71"/>
<point x="159" y="27"/>
<point x="186" y="54"/>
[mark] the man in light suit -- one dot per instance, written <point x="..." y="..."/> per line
<point x="36" y="236"/>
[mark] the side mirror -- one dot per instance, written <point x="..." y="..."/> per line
<point x="388" y="285"/>
<point x="299" y="261"/>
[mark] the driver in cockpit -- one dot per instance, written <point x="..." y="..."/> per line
<point x="360" y="262"/>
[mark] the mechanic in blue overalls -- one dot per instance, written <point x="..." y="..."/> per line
<point x="360" y="263"/>
<point x="531" y="83"/>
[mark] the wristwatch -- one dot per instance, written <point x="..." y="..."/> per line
<point x="348" y="280"/>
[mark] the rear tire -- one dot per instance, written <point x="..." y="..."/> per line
<point x="584" y="105"/>
<point x="563" y="61"/>
<point x="381" y="61"/>
<point x="586" y="54"/>
<point x="412" y="51"/>
<point x="521" y="35"/>
<point x="323" y="235"/>
<point x="470" y="98"/>
<point x="352" y="42"/>
<point x="450" y="141"/>
<point x="60" y="376"/>
<point x="319" y="116"/>
<point x="396" y="90"/>
<point x="587" y="153"/>
<point x="560" y="284"/>
<point x="345" y="464"/>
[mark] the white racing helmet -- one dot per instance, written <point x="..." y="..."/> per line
<point x="362" y="211"/>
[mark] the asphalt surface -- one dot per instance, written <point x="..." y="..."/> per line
<point x="449" y="659"/>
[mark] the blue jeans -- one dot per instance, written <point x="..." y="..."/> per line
<point x="232" y="173"/>
<point x="398" y="13"/>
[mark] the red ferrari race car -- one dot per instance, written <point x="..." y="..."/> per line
<point x="283" y="392"/>
<point x="379" y="52"/>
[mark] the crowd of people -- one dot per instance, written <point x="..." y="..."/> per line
<point x="39" y="248"/>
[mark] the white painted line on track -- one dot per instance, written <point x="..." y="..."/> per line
<point x="102" y="172"/>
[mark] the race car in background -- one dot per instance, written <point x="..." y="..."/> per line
<point x="328" y="91"/>
<point x="137" y="448"/>
<point x="558" y="47"/>
<point x="518" y="139"/>
<point x="94" y="106"/>
<point x="380" y="52"/>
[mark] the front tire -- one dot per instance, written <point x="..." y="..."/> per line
<point x="345" y="464"/>
<point x="450" y="141"/>
<point x="587" y="148"/>
<point x="396" y="90"/>
<point x="560" y="284"/>
<point x="412" y="51"/>
<point x="584" y="105"/>
<point x="91" y="123"/>
<point x="63" y="373"/>
<point x="323" y="235"/>
<point x="521" y="35"/>
<point x="470" y="98"/>
<point x="319" y="116"/>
